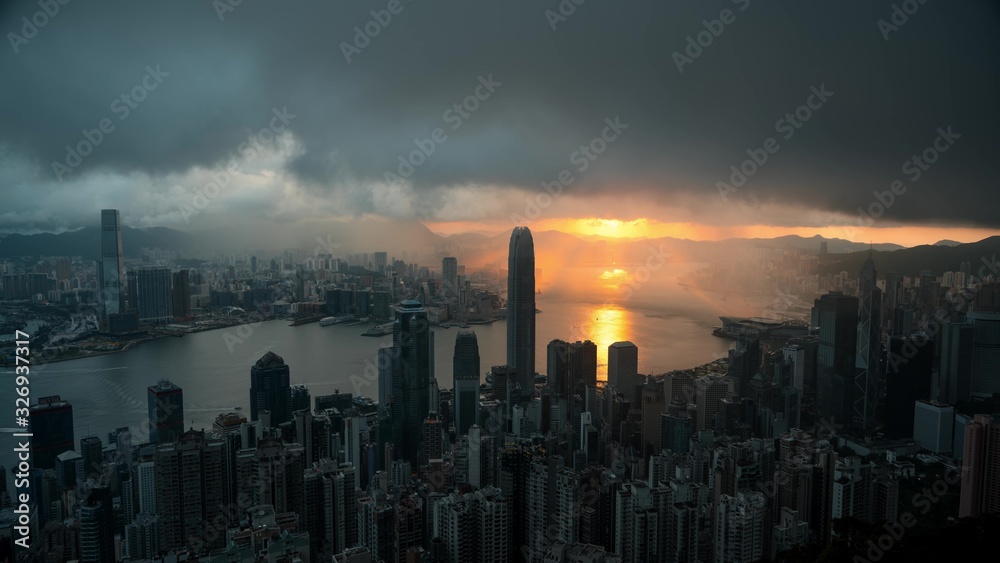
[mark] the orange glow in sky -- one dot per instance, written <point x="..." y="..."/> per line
<point x="651" y="228"/>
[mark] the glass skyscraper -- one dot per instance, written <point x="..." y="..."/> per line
<point x="112" y="298"/>
<point x="410" y="378"/>
<point x="521" y="310"/>
<point x="466" y="381"/>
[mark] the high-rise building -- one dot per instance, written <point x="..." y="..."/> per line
<point x="907" y="380"/>
<point x="270" y="390"/>
<point x="867" y="375"/>
<point x="980" y="491"/>
<point x="739" y="528"/>
<point x="557" y="361"/>
<point x="581" y="367"/>
<point x="449" y="275"/>
<point x="92" y="452"/>
<point x="166" y="412"/>
<point x="112" y="295"/>
<point x="623" y="368"/>
<point x="190" y="484"/>
<point x="708" y="394"/>
<point x="985" y="349"/>
<point x="521" y="309"/>
<point x="155" y="296"/>
<point x="836" y="315"/>
<point x="466" y="381"/>
<point x="181" y="294"/>
<point x="410" y="378"/>
<point x="956" y="363"/>
<point x="52" y="430"/>
<point x="142" y="537"/>
<point x="97" y="526"/>
<point x="744" y="361"/>
<point x="473" y="526"/>
<point x="933" y="426"/>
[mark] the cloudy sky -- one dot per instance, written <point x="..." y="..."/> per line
<point x="306" y="110"/>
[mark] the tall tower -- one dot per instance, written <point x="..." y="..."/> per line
<point x="836" y="315"/>
<point x="111" y="277"/>
<point x="449" y="275"/>
<point x="270" y="389"/>
<point x="521" y="309"/>
<point x="410" y="378"/>
<point x="166" y="412"/>
<point x="980" y="491"/>
<point x="466" y="381"/>
<point x="867" y="374"/>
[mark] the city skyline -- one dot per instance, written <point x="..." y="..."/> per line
<point x="514" y="282"/>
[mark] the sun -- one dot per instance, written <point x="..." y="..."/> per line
<point x="612" y="228"/>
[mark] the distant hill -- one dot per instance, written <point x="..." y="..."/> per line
<point x="947" y="242"/>
<point x="911" y="261"/>
<point x="86" y="242"/>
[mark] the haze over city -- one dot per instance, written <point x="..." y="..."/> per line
<point x="570" y="281"/>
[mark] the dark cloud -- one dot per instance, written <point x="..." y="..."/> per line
<point x="557" y="87"/>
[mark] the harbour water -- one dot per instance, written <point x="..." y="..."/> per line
<point x="671" y="326"/>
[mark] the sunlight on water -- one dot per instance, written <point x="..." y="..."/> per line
<point x="606" y="325"/>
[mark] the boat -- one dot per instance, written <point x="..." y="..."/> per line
<point x="327" y="321"/>
<point x="378" y="330"/>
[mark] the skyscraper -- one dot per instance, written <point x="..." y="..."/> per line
<point x="466" y="381"/>
<point x="582" y="367"/>
<point x="155" y="296"/>
<point x="907" y="380"/>
<point x="867" y="375"/>
<point x="449" y="275"/>
<point x="52" y="429"/>
<point x="270" y="389"/>
<point x="956" y="363"/>
<point x="557" y="361"/>
<point x="623" y="368"/>
<point x="410" y="378"/>
<point x="980" y="491"/>
<point x="836" y="315"/>
<point x="181" y="294"/>
<point x="521" y="309"/>
<point x="165" y="402"/>
<point x="112" y="297"/>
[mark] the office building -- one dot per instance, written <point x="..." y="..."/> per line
<point x="155" y="295"/>
<point x="411" y="378"/>
<point x="557" y="363"/>
<point x="623" y="368"/>
<point x="466" y="369"/>
<point x="908" y="379"/>
<point x="270" y="390"/>
<point x="165" y="403"/>
<point x="957" y="341"/>
<point x="111" y="279"/>
<point x="869" y="346"/>
<point x="933" y="426"/>
<point x="97" y="526"/>
<point x="985" y="348"/>
<point x="181" y="294"/>
<point x="581" y="364"/>
<point x="51" y="423"/>
<point x="836" y="315"/>
<point x="449" y="275"/>
<point x="521" y="310"/>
